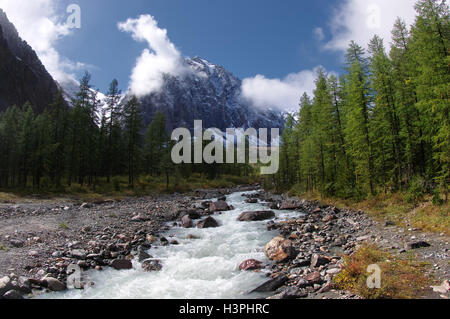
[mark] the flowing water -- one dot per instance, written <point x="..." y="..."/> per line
<point x="204" y="268"/>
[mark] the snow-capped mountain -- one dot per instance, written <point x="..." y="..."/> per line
<point x="209" y="93"/>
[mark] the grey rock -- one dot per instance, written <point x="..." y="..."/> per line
<point x="16" y="243"/>
<point x="13" y="295"/>
<point x="294" y="293"/>
<point x="121" y="264"/>
<point x="417" y="245"/>
<point x="318" y="260"/>
<point x="272" y="284"/>
<point x="151" y="265"/>
<point x="78" y="254"/>
<point x="142" y="255"/>
<point x="186" y="222"/>
<point x="208" y="222"/>
<point x="219" y="206"/>
<point x="291" y="204"/>
<point x="5" y="285"/>
<point x="256" y="216"/>
<point x="53" y="284"/>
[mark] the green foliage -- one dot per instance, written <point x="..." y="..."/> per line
<point x="383" y="126"/>
<point x="70" y="149"/>
<point x="64" y="226"/>
<point x="416" y="190"/>
<point x="116" y="184"/>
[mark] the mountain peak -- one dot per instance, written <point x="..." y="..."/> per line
<point x="210" y="93"/>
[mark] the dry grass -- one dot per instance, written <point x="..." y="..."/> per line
<point x="119" y="188"/>
<point x="400" y="278"/>
<point x="7" y="198"/>
<point x="395" y="208"/>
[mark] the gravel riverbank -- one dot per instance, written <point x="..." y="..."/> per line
<point x="39" y="241"/>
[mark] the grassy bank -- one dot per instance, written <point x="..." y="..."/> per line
<point x="401" y="278"/>
<point x="423" y="214"/>
<point x="119" y="188"/>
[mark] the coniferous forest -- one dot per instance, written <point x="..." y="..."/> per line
<point x="88" y="144"/>
<point x="383" y="125"/>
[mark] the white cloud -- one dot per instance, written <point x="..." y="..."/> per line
<point x="162" y="57"/>
<point x="319" y="34"/>
<point x="360" y="20"/>
<point x="282" y="94"/>
<point x="39" y="24"/>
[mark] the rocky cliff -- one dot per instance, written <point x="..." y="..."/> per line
<point x="22" y="76"/>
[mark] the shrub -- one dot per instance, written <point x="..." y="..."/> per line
<point x="116" y="184"/>
<point x="416" y="190"/>
<point x="400" y="279"/>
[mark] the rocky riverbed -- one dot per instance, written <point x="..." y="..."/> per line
<point x="308" y="253"/>
<point x="41" y="241"/>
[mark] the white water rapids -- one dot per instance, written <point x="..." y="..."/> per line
<point x="204" y="268"/>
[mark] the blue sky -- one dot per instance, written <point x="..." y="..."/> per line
<point x="273" y="45"/>
<point x="248" y="37"/>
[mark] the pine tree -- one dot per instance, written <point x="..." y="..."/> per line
<point x="357" y="109"/>
<point x="430" y="45"/>
<point x="156" y="144"/>
<point x="386" y="123"/>
<point x="113" y="128"/>
<point x="133" y="127"/>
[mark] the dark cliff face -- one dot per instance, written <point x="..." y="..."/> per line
<point x="22" y="76"/>
<point x="209" y="93"/>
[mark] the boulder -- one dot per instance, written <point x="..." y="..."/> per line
<point x="78" y="254"/>
<point x="256" y="216"/>
<point x="191" y="213"/>
<point x="311" y="279"/>
<point x="53" y="284"/>
<point x="206" y="204"/>
<point x="328" y="218"/>
<point x="121" y="264"/>
<point x="85" y="205"/>
<point x="23" y="285"/>
<point x="5" y="285"/>
<point x="293" y="293"/>
<point x="186" y="221"/>
<point x="219" y="206"/>
<point x="279" y="249"/>
<point x="318" y="260"/>
<point x="272" y="284"/>
<point x="152" y="265"/>
<point x="139" y="218"/>
<point x="251" y="201"/>
<point x="417" y="245"/>
<point x="13" y="295"/>
<point x="208" y="222"/>
<point x="142" y="255"/>
<point x="16" y="243"/>
<point x="291" y="205"/>
<point x="250" y="264"/>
